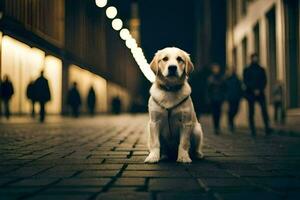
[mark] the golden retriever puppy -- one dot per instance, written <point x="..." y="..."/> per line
<point x="173" y="129"/>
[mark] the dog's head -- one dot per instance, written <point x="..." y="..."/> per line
<point x="171" y="64"/>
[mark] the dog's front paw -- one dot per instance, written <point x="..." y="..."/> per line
<point x="184" y="158"/>
<point x="152" y="158"/>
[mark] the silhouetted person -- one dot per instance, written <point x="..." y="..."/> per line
<point x="256" y="81"/>
<point x="31" y="95"/>
<point x="74" y="100"/>
<point x="91" y="101"/>
<point x="116" y="105"/>
<point x="216" y="94"/>
<point x="233" y="97"/>
<point x="279" y="111"/>
<point x="42" y="94"/>
<point x="7" y="91"/>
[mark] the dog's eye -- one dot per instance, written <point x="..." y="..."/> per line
<point x="179" y="59"/>
<point x="165" y="59"/>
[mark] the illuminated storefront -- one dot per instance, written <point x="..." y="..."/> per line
<point x="23" y="64"/>
<point x="114" y="90"/>
<point x="85" y="80"/>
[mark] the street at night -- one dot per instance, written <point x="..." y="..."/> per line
<point x="103" y="158"/>
<point x="157" y="99"/>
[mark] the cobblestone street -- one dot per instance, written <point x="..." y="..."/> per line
<point x="102" y="158"/>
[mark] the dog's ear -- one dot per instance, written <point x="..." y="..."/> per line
<point x="154" y="63"/>
<point x="189" y="66"/>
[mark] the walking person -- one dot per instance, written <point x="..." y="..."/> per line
<point x="91" y="101"/>
<point x="279" y="111"/>
<point x="7" y="91"/>
<point x="255" y="80"/>
<point x="233" y="97"/>
<point x="216" y="94"/>
<point x="30" y="93"/>
<point x="74" y="100"/>
<point x="42" y="94"/>
<point x="116" y="105"/>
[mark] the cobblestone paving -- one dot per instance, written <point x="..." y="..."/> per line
<point x="102" y="158"/>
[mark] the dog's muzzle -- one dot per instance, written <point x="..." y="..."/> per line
<point x="172" y="70"/>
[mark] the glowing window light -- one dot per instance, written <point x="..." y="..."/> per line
<point x="111" y="12"/>
<point x="101" y="3"/>
<point x="124" y="34"/>
<point x="117" y="24"/>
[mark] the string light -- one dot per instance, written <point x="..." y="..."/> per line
<point x="101" y="3"/>
<point x="130" y="42"/>
<point x="117" y="24"/>
<point x="124" y="34"/>
<point x="111" y="12"/>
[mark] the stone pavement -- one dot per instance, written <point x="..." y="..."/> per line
<point x="102" y="158"/>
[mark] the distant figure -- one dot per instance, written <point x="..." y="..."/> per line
<point x="91" y="101"/>
<point x="42" y="94"/>
<point x="74" y="100"/>
<point x="31" y="95"/>
<point x="116" y="105"/>
<point x="233" y="97"/>
<point x="137" y="105"/>
<point x="279" y="111"/>
<point x="216" y="94"/>
<point x="256" y="81"/>
<point x="7" y="91"/>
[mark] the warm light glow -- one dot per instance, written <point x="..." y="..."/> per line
<point x="53" y="72"/>
<point x="124" y="34"/>
<point x="117" y="24"/>
<point x="24" y="64"/>
<point x="111" y="12"/>
<point x="85" y="80"/>
<point x="137" y="52"/>
<point x="145" y="68"/>
<point x="131" y="43"/>
<point x="101" y="3"/>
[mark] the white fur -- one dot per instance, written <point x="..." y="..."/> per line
<point x="182" y="117"/>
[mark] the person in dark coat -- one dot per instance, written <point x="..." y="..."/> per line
<point x="116" y="105"/>
<point x="30" y="93"/>
<point x="234" y="94"/>
<point x="91" y="101"/>
<point x="255" y="80"/>
<point x="42" y="94"/>
<point x="74" y="100"/>
<point x="216" y="94"/>
<point x="7" y="91"/>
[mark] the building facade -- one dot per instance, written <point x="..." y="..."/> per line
<point x="271" y="29"/>
<point x="71" y="40"/>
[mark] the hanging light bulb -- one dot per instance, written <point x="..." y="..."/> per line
<point x="111" y="12"/>
<point x="117" y="24"/>
<point x="131" y="43"/>
<point x="101" y="3"/>
<point x="124" y="34"/>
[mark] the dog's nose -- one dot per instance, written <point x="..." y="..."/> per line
<point x="172" y="69"/>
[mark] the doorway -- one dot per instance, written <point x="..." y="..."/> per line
<point x="292" y="52"/>
<point x="271" y="50"/>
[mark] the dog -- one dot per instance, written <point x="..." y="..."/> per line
<point x="173" y="129"/>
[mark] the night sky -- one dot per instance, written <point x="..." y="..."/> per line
<point x="163" y="23"/>
<point x="166" y="23"/>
